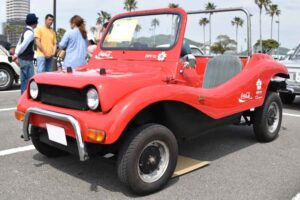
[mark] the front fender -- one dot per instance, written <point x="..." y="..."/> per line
<point x="130" y="106"/>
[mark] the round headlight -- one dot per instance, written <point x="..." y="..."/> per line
<point x="92" y="99"/>
<point x="33" y="90"/>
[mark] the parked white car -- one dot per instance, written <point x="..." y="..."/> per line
<point x="196" y="51"/>
<point x="293" y="84"/>
<point x="9" y="71"/>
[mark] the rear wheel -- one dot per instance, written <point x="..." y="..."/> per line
<point x="41" y="147"/>
<point x="287" y="98"/>
<point x="267" y="118"/>
<point x="6" y="77"/>
<point x="148" y="158"/>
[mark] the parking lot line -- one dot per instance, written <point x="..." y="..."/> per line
<point x="16" y="150"/>
<point x="291" y="115"/>
<point x="7" y="109"/>
<point x="10" y="91"/>
<point x="31" y="147"/>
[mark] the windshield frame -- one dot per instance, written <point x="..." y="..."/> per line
<point x="138" y="15"/>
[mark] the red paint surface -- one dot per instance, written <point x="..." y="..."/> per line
<point x="133" y="82"/>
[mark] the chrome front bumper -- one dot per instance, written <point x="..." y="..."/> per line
<point x="83" y="155"/>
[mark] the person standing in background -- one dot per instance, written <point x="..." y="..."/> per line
<point x="45" y="39"/>
<point x="75" y="43"/>
<point x="25" y="52"/>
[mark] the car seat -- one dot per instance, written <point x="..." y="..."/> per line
<point x="221" y="69"/>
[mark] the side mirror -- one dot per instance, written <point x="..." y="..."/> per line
<point x="189" y="61"/>
<point x="9" y="59"/>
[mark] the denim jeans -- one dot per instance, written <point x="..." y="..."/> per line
<point x="26" y="72"/>
<point x="44" y="64"/>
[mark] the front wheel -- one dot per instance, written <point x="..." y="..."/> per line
<point x="267" y="118"/>
<point x="147" y="159"/>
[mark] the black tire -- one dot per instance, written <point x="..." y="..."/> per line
<point x="43" y="148"/>
<point x="267" y="118"/>
<point x="7" y="79"/>
<point x="287" y="98"/>
<point x="134" y="163"/>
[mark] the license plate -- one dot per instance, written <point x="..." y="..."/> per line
<point x="56" y="134"/>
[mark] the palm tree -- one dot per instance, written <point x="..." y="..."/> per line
<point x="155" y="23"/>
<point x="103" y="17"/>
<point x="93" y="29"/>
<point x="210" y="6"/>
<point x="8" y="29"/>
<point x="19" y="29"/>
<point x="138" y="28"/>
<point x="262" y="4"/>
<point x="173" y="5"/>
<point x="203" y="22"/>
<point x="130" y="5"/>
<point x="273" y="10"/>
<point x="237" y="21"/>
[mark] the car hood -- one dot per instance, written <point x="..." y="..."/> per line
<point x="112" y="86"/>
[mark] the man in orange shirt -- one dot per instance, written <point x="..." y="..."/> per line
<point x="45" y="39"/>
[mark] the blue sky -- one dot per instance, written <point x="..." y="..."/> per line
<point x="290" y="23"/>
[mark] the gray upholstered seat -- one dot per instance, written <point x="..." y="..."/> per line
<point x="221" y="69"/>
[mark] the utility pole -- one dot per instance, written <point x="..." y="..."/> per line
<point x="278" y="22"/>
<point x="54" y="13"/>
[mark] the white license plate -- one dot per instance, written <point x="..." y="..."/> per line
<point x="56" y="134"/>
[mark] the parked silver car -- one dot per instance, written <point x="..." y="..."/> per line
<point x="9" y="71"/>
<point x="293" y="84"/>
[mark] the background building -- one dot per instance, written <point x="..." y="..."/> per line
<point x="16" y="11"/>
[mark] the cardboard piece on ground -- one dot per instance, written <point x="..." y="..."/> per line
<point x="186" y="165"/>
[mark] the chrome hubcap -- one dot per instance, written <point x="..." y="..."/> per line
<point x="153" y="161"/>
<point x="4" y="78"/>
<point x="273" y="117"/>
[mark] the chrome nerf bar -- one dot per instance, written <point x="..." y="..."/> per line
<point x="83" y="155"/>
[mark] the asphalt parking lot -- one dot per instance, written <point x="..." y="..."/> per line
<point x="240" y="167"/>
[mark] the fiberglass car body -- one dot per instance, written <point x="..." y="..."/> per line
<point x="137" y="98"/>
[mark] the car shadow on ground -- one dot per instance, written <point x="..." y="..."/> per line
<point x="14" y="87"/>
<point x="101" y="173"/>
<point x="294" y="106"/>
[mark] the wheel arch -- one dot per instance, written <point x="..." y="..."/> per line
<point x="182" y="119"/>
<point x="10" y="67"/>
<point x="278" y="82"/>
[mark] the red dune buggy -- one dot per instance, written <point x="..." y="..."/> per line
<point x="144" y="90"/>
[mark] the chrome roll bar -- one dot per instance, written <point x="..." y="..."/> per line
<point x="83" y="155"/>
<point x="249" y="43"/>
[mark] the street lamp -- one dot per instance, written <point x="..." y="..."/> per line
<point x="54" y="13"/>
<point x="278" y="22"/>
